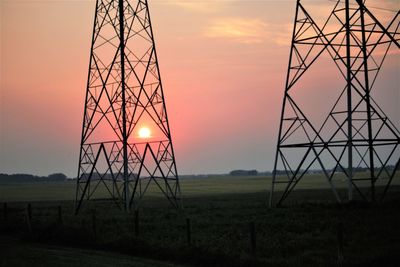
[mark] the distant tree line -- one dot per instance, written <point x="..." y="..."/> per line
<point x="243" y="172"/>
<point x="27" y="178"/>
<point x="355" y="170"/>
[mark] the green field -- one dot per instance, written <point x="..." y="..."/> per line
<point x="190" y="187"/>
<point x="302" y="233"/>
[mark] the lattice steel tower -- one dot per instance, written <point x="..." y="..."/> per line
<point x="356" y="145"/>
<point x="125" y="94"/>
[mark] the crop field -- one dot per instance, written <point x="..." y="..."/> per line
<point x="225" y="222"/>
<point x="190" y="187"/>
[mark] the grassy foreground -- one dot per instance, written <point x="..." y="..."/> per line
<point x="21" y="253"/>
<point x="220" y="209"/>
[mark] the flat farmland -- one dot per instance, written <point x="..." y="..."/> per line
<point x="190" y="187"/>
<point x="227" y="218"/>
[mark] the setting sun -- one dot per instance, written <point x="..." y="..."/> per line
<point x="144" y="132"/>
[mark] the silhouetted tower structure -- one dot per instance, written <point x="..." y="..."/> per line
<point x="124" y="94"/>
<point x="356" y="134"/>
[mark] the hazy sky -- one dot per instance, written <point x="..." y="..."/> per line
<point x="223" y="66"/>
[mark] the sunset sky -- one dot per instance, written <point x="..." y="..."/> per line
<point x="223" y="67"/>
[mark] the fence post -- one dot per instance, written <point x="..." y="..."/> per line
<point x="253" y="238"/>
<point x="94" y="224"/>
<point x="136" y="222"/>
<point x="340" y="237"/>
<point x="60" y="219"/>
<point x="29" y="208"/>
<point x="188" y="231"/>
<point x="5" y="211"/>
<point x="29" y="217"/>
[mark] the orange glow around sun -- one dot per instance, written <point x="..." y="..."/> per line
<point x="144" y="132"/>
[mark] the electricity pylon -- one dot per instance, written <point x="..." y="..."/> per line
<point x="356" y="134"/>
<point x="124" y="93"/>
